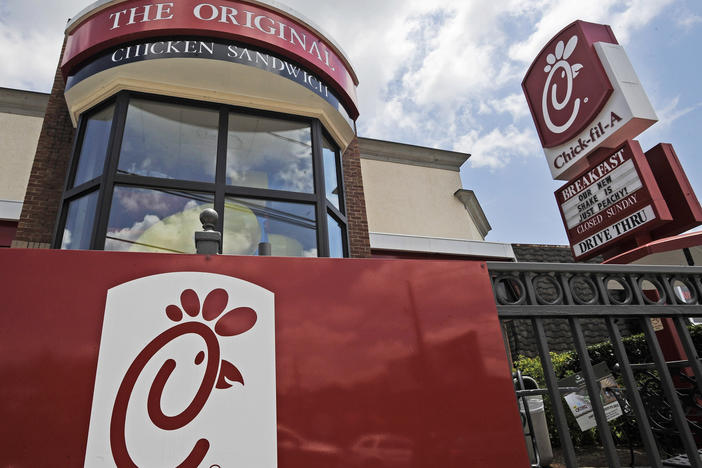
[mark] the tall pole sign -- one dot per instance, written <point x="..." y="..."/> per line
<point x="588" y="104"/>
<point x="583" y="94"/>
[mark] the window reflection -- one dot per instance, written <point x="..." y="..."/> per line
<point x="79" y="223"/>
<point x="94" y="147"/>
<point x="144" y="220"/>
<point x="179" y="145"/>
<point x="331" y="179"/>
<point x="290" y="228"/>
<point x="269" y="153"/>
<point x="336" y="242"/>
<point x="169" y="141"/>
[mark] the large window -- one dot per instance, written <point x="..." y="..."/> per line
<point x="145" y="167"/>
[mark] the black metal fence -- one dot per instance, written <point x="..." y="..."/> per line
<point x="576" y="293"/>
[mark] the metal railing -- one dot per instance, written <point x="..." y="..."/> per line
<point x="576" y="292"/>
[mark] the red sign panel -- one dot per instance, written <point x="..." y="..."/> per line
<point x="137" y="19"/>
<point x="7" y="233"/>
<point x="617" y="197"/>
<point x="567" y="86"/>
<point x="676" y="189"/>
<point x="329" y="360"/>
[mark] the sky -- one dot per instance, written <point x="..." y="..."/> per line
<point x="447" y="74"/>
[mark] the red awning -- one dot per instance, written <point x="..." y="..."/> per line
<point x="668" y="251"/>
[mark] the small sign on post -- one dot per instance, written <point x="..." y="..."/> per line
<point x="579" y="402"/>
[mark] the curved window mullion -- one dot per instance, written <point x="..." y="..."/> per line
<point x="320" y="190"/>
<point x="87" y="184"/>
<point x="271" y="194"/>
<point x="221" y="170"/>
<point x="108" y="177"/>
<point x="93" y="150"/>
<point x="337" y="236"/>
<point x="77" y="233"/>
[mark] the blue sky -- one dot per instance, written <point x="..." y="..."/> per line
<point x="447" y="74"/>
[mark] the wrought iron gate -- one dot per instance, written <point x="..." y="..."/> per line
<point x="577" y="293"/>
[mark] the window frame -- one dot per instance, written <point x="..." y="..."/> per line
<point x="105" y="183"/>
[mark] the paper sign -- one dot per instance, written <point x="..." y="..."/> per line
<point x="579" y="402"/>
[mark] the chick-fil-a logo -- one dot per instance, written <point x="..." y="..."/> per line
<point x="567" y="86"/>
<point x="558" y="62"/>
<point x="196" y="392"/>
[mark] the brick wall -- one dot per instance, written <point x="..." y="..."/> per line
<point x="355" y="202"/>
<point x="43" y="197"/>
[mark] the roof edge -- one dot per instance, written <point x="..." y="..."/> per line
<point x="403" y="153"/>
<point x="21" y="102"/>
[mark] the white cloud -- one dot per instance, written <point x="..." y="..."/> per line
<point x="637" y="15"/>
<point x="668" y="113"/>
<point x="67" y="237"/>
<point x="497" y="148"/>
<point x="624" y="17"/>
<point x="18" y="71"/>
<point x="514" y="105"/>
<point x="432" y="73"/>
<point x="689" y="21"/>
<point x="671" y="112"/>
<point x="453" y="72"/>
<point x="31" y="34"/>
<point x="131" y="233"/>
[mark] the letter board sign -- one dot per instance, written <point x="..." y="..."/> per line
<point x="583" y="95"/>
<point x="615" y="198"/>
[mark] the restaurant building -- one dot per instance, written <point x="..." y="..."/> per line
<point x="160" y="110"/>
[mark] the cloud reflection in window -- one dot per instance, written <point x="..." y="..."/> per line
<point x="144" y="220"/>
<point x="269" y="153"/>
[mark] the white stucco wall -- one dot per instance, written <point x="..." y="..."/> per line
<point x="415" y="200"/>
<point x="19" y="135"/>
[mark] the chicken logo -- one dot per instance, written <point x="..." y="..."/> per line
<point x="232" y="323"/>
<point x="192" y="394"/>
<point x="566" y="85"/>
<point x="558" y="62"/>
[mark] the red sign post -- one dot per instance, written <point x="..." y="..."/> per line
<point x="588" y="105"/>
<point x="617" y="199"/>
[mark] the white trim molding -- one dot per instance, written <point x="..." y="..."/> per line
<point x="21" y="102"/>
<point x="10" y="210"/>
<point x="436" y="245"/>
<point x="402" y="153"/>
<point x="470" y="201"/>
